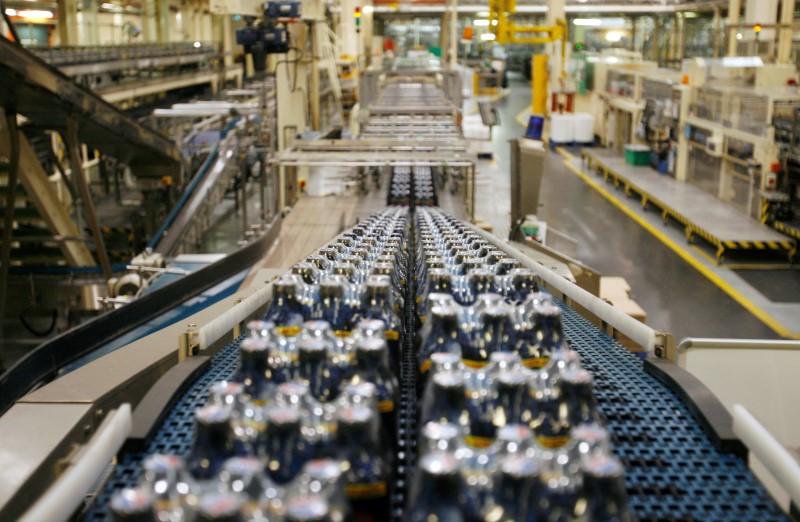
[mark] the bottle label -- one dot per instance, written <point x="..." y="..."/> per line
<point x="471" y="363"/>
<point x="386" y="406"/>
<point x="368" y="490"/>
<point x="392" y="335"/>
<point x="342" y="334"/>
<point x="552" y="441"/>
<point x="288" y="331"/>
<point x="426" y="366"/>
<point x="478" y="442"/>
<point x="536" y="362"/>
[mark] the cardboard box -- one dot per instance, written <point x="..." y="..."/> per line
<point x="614" y="288"/>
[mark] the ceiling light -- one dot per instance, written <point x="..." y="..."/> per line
<point x="482" y="14"/>
<point x="198" y="45"/>
<point x="11" y="12"/>
<point x="614" y="36"/>
<point x="35" y="14"/>
<point x="593" y="22"/>
<point x="480" y="23"/>
<point x="495" y="22"/>
<point x="487" y="37"/>
<point x="367" y="9"/>
<point x="739" y="36"/>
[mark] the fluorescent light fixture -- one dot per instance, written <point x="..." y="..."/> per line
<point x="107" y="6"/>
<point x="11" y="12"/>
<point x="481" y="23"/>
<point x="482" y="14"/>
<point x="34" y="14"/>
<point x="367" y="9"/>
<point x="487" y="37"/>
<point x="590" y="22"/>
<point x="614" y="36"/>
<point x="742" y="61"/>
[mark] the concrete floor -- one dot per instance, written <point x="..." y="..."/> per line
<point x="677" y="298"/>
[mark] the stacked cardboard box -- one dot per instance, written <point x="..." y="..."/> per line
<point x="617" y="291"/>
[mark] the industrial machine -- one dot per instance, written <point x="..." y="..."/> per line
<point x="732" y="150"/>
<point x="624" y="102"/>
<point x="85" y="165"/>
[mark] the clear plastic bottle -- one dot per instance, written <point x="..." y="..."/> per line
<point x="577" y="387"/>
<point x="284" y="450"/>
<point x="445" y="336"/>
<point x="515" y="491"/>
<point x="254" y="372"/>
<point x="213" y="442"/>
<point x="166" y="478"/>
<point x="438" y="492"/>
<point x="132" y="505"/>
<point x="325" y="477"/>
<point x="286" y="309"/>
<point x="316" y="370"/>
<point x="604" y="486"/>
<point x="445" y="400"/>
<point x="367" y="487"/>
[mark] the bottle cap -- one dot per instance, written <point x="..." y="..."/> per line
<point x="132" y="504"/>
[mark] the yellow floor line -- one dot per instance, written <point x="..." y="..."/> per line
<point x="763" y="316"/>
<point x="742" y="266"/>
<point x="522" y="117"/>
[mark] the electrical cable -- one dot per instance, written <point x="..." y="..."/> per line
<point x="40" y="333"/>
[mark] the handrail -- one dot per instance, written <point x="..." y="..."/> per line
<point x="739" y="344"/>
<point x="778" y="461"/>
<point x="639" y="332"/>
<point x="223" y="323"/>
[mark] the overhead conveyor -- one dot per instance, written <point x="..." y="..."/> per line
<point x="49" y="100"/>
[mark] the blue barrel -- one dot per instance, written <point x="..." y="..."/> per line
<point x="535" y="127"/>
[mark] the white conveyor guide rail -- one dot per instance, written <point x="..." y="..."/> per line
<point x="778" y="461"/>
<point x="212" y="331"/>
<point x="69" y="491"/>
<point x="637" y="331"/>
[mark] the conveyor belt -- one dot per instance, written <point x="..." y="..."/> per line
<point x="673" y="471"/>
<point x="48" y="99"/>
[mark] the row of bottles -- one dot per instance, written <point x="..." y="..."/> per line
<point x="305" y="429"/>
<point x="507" y="426"/>
<point x="315" y="429"/>
<point x="412" y="183"/>
<point x="510" y="428"/>
<point x="358" y="277"/>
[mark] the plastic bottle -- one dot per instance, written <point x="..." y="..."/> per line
<point x="213" y="443"/>
<point x="367" y="487"/>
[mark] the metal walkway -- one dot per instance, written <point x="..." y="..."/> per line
<point x="700" y="213"/>
<point x="49" y="99"/>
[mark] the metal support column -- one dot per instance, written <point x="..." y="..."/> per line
<point x="452" y="53"/>
<point x="72" y="143"/>
<point x="8" y="218"/>
<point x="316" y="54"/>
<point x="785" y="34"/>
<point x="734" y="10"/>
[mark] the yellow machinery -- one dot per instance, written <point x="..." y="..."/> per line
<point x="506" y="31"/>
